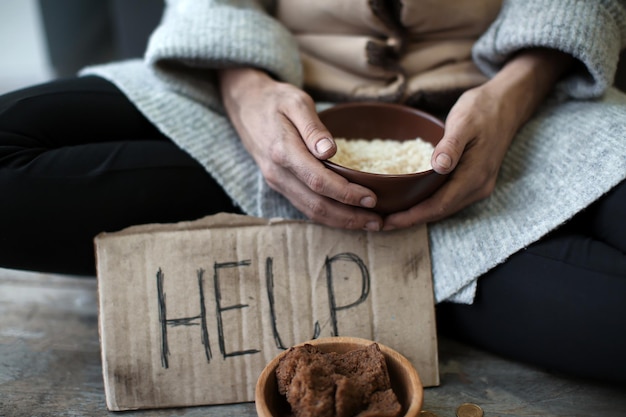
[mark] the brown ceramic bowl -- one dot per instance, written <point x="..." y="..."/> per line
<point x="386" y="121"/>
<point x="405" y="380"/>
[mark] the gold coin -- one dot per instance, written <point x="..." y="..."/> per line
<point x="469" y="410"/>
<point x="426" y="413"/>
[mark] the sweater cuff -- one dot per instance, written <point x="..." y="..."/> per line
<point x="591" y="31"/>
<point x="207" y="35"/>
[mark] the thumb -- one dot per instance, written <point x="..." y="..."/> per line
<point x="315" y="135"/>
<point x="317" y="138"/>
<point x="448" y="152"/>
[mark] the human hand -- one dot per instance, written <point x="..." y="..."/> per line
<point x="278" y="125"/>
<point x="479" y="130"/>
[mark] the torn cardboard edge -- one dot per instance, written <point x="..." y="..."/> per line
<point x="191" y="312"/>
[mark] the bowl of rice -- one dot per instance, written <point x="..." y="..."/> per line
<point x="387" y="148"/>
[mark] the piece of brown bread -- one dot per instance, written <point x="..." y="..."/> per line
<point x="355" y="383"/>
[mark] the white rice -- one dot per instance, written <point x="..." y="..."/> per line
<point x="384" y="156"/>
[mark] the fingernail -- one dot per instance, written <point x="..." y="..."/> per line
<point x="444" y="161"/>
<point x="372" y="226"/>
<point x="368" y="202"/>
<point x="323" y="145"/>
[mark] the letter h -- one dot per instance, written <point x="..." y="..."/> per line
<point x="183" y="321"/>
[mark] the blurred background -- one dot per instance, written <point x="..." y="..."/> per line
<point x="45" y="39"/>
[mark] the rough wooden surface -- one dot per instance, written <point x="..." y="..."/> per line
<point x="50" y="365"/>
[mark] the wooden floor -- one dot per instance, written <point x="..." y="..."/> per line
<point x="50" y="365"/>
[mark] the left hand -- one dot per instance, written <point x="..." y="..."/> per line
<point x="478" y="132"/>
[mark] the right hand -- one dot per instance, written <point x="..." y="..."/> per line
<point x="279" y="126"/>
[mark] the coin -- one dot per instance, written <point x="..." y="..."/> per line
<point x="426" y="413"/>
<point x="469" y="410"/>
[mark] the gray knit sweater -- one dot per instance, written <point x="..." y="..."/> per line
<point x="570" y="154"/>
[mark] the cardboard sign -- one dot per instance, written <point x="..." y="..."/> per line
<point x="190" y="313"/>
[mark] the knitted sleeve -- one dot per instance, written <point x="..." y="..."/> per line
<point x="593" y="31"/>
<point x="196" y="35"/>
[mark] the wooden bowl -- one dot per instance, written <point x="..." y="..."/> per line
<point x="405" y="380"/>
<point x="371" y="120"/>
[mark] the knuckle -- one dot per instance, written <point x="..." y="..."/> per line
<point x="487" y="189"/>
<point x="277" y="154"/>
<point x="349" y="197"/>
<point x="442" y="210"/>
<point x="311" y="130"/>
<point x="461" y="116"/>
<point x="315" y="182"/>
<point x="271" y="178"/>
<point x="453" y="144"/>
<point x="296" y="98"/>
<point x="317" y="209"/>
<point x="486" y="182"/>
<point x="350" y="222"/>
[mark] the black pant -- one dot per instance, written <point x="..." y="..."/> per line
<point x="560" y="303"/>
<point x="76" y="158"/>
